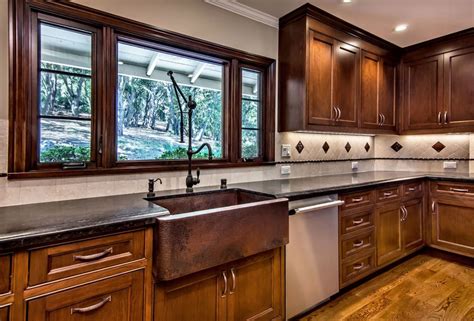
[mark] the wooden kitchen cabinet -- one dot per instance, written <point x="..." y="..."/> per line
<point x="118" y="298"/>
<point x="389" y="233"/>
<point x="5" y="273"/>
<point x="378" y="98"/>
<point x="412" y="225"/>
<point x="249" y="289"/>
<point x="452" y="224"/>
<point x="5" y="314"/>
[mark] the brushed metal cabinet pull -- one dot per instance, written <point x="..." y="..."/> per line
<point x="359" y="266"/>
<point x="93" y="257"/>
<point x="224" y="293"/>
<point x="439" y="118"/>
<point x="234" y="281"/>
<point x="386" y="194"/>
<point x="459" y="190"/>
<point x="445" y="117"/>
<point x="92" y="307"/>
<point x="379" y="119"/>
<point x="412" y="189"/>
<point x="339" y="113"/>
<point x="357" y="199"/>
<point x="335" y="113"/>
<point x="358" y="244"/>
<point x="383" y="119"/>
<point x="433" y="207"/>
<point x="406" y="213"/>
<point x="357" y="222"/>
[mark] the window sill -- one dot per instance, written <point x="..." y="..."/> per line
<point x="129" y="170"/>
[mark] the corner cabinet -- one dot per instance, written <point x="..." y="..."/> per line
<point x="332" y="81"/>
<point x="248" y="289"/>
<point x="438" y="94"/>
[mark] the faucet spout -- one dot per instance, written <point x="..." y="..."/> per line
<point x="209" y="148"/>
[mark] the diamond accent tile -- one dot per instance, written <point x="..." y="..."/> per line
<point x="348" y="147"/>
<point x="439" y="146"/>
<point x="326" y="147"/>
<point x="299" y="147"/>
<point x="367" y="147"/>
<point x="396" y="146"/>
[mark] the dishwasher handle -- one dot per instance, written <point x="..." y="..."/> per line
<point x="316" y="207"/>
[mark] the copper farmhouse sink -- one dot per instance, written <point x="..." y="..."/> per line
<point x="212" y="228"/>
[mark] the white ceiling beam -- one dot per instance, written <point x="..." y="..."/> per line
<point x="152" y="65"/>
<point x="197" y="72"/>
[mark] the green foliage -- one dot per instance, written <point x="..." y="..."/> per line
<point x="62" y="153"/>
<point x="181" y="153"/>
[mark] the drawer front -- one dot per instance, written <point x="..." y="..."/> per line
<point x="359" y="199"/>
<point x="5" y="273"/>
<point x="453" y="188"/>
<point x="119" y="299"/>
<point x="412" y="189"/>
<point x="357" y="221"/>
<point x="358" y="244"/>
<point x="388" y="193"/>
<point x="67" y="260"/>
<point x="356" y="269"/>
<point x="5" y="314"/>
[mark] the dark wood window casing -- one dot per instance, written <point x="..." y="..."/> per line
<point x="107" y="31"/>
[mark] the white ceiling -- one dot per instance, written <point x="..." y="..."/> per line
<point x="426" y="19"/>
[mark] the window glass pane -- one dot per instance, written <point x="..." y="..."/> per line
<point x="65" y="107"/>
<point x="65" y="140"/>
<point x="251" y="113"/>
<point x="250" y="143"/>
<point x="148" y="116"/>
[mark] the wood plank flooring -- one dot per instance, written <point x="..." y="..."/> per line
<point x="430" y="286"/>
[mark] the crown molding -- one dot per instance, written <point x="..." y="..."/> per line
<point x="238" y="8"/>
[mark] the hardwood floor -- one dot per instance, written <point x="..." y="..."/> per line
<point x="430" y="286"/>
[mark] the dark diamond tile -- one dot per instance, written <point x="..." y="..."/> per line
<point x="439" y="146"/>
<point x="299" y="147"/>
<point x="396" y="146"/>
<point x="326" y="147"/>
<point x="367" y="147"/>
<point x="348" y="147"/>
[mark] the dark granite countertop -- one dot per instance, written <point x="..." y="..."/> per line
<point x="28" y="226"/>
<point x="299" y="188"/>
<point x="32" y="225"/>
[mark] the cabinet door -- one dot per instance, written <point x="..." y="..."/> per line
<point x="459" y="87"/>
<point x="116" y="299"/>
<point x="201" y="296"/>
<point x="320" y="80"/>
<point x="346" y="83"/>
<point x="413" y="224"/>
<point x="370" y="81"/>
<point x="256" y="287"/>
<point x="5" y="314"/>
<point x="453" y="224"/>
<point x="424" y="93"/>
<point x="5" y="271"/>
<point x="387" y="97"/>
<point x="389" y="233"/>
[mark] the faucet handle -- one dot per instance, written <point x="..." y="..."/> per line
<point x="198" y="172"/>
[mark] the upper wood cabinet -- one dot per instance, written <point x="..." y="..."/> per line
<point x="331" y="80"/>
<point x="378" y="98"/>
<point x="438" y="93"/>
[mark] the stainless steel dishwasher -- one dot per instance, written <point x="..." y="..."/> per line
<point x="312" y="256"/>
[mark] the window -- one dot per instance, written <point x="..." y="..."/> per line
<point x="90" y="94"/>
<point x="65" y="107"/>
<point x="251" y="114"/>
<point x="148" y="113"/>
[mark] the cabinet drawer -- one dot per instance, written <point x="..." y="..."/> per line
<point x="453" y="188"/>
<point x="357" y="221"/>
<point x="119" y="298"/>
<point x="358" y="244"/>
<point x="388" y="193"/>
<point x="412" y="190"/>
<point x="5" y="274"/>
<point x="356" y="269"/>
<point x="358" y="199"/>
<point x="67" y="260"/>
<point x="5" y="314"/>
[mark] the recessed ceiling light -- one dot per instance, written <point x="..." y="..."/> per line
<point x="346" y="1"/>
<point x="401" y="28"/>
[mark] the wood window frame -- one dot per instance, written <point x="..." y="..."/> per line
<point x="22" y="162"/>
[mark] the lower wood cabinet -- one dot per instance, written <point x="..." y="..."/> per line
<point x="452" y="224"/>
<point x="389" y="233"/>
<point x="249" y="289"/>
<point x="5" y="273"/>
<point x="412" y="224"/>
<point x="5" y="314"/>
<point x="118" y="298"/>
